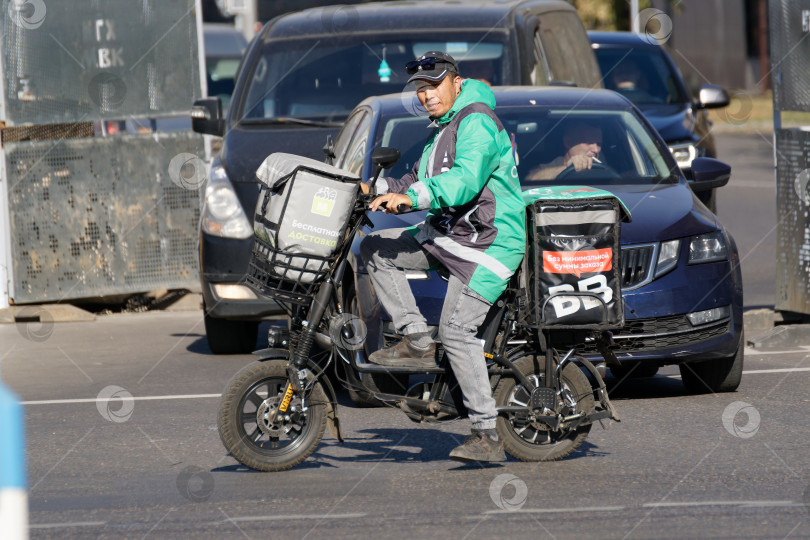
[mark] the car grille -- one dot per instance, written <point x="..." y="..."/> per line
<point x="635" y="264"/>
<point x="642" y="335"/>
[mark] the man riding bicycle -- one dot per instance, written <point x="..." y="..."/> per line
<point x="475" y="228"/>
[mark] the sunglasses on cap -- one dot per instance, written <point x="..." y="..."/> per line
<point x="425" y="64"/>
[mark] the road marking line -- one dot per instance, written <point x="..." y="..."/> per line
<point x="96" y="400"/>
<point x="752" y="351"/>
<point x="558" y="510"/>
<point x="763" y="504"/>
<point x="746" y="504"/>
<point x="69" y="524"/>
<point x="295" y="517"/>
<point x="209" y="396"/>
<point x="755" y="371"/>
<point x="782" y="370"/>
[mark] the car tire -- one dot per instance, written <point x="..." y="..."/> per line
<point x="634" y="370"/>
<point x="714" y="376"/>
<point x="231" y="337"/>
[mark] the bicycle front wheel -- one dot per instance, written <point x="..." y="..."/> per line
<point x="251" y="399"/>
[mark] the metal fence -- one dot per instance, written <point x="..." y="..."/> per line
<point x="793" y="231"/>
<point x="68" y="61"/>
<point x="92" y="217"/>
<point x="85" y="215"/>
<point x="789" y="30"/>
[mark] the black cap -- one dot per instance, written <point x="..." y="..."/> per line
<point x="423" y="68"/>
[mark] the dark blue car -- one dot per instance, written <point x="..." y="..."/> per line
<point x="640" y="69"/>
<point x="680" y="270"/>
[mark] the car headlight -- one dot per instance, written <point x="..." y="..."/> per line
<point x="684" y="153"/>
<point x="667" y="257"/>
<point x="222" y="214"/>
<point x="709" y="247"/>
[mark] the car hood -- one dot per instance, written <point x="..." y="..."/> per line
<point x="244" y="149"/>
<point x="659" y="213"/>
<point x="675" y="122"/>
<point x="662" y="212"/>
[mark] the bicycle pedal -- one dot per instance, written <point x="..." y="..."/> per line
<point x="543" y="398"/>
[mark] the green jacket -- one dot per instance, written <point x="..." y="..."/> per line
<point x="468" y="178"/>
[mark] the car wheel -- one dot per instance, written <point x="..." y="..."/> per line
<point x="634" y="370"/>
<point x="231" y="337"/>
<point x="722" y="375"/>
<point x="373" y="382"/>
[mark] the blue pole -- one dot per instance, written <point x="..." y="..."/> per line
<point x="13" y="496"/>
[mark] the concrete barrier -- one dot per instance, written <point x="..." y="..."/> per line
<point x="13" y="494"/>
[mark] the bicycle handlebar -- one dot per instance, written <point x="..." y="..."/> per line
<point x="368" y="197"/>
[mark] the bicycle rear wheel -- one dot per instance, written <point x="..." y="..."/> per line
<point x="527" y="440"/>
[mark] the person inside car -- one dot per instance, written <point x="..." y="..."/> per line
<point x="467" y="177"/>
<point x="628" y="79"/>
<point x="582" y="142"/>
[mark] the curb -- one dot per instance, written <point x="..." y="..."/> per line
<point x="787" y="336"/>
<point x="46" y="313"/>
<point x="767" y="329"/>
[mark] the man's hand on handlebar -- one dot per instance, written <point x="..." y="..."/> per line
<point x="391" y="203"/>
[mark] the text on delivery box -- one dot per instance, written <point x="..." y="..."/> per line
<point x="578" y="262"/>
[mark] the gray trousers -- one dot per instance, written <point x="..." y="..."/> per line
<point x="388" y="255"/>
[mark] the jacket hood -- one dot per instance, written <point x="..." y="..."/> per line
<point x="472" y="91"/>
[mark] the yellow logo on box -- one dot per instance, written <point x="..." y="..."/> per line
<point x="324" y="201"/>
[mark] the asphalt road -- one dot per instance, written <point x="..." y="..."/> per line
<point x="747" y="207"/>
<point x="677" y="466"/>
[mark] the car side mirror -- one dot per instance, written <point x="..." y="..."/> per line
<point x="712" y="96"/>
<point x="384" y="157"/>
<point x="709" y="173"/>
<point x="206" y="117"/>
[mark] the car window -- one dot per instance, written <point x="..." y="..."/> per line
<point x="629" y="151"/>
<point x="355" y="153"/>
<point x="221" y="75"/>
<point x="324" y="79"/>
<point x="346" y="134"/>
<point x="641" y="75"/>
<point x="540" y="72"/>
<point x="568" y="53"/>
<point x="407" y="134"/>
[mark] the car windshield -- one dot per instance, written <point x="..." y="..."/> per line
<point x="641" y="75"/>
<point x="221" y="73"/>
<point x="628" y="153"/>
<point x="323" y="79"/>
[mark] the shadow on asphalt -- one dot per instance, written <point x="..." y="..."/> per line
<point x="200" y="345"/>
<point x="645" y="388"/>
<point x="417" y="445"/>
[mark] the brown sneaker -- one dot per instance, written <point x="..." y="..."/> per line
<point x="404" y="354"/>
<point x="479" y="447"/>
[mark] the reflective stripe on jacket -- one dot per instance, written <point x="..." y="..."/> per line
<point x="468" y="178"/>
